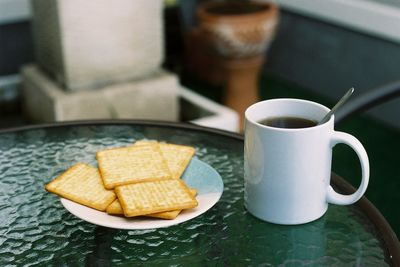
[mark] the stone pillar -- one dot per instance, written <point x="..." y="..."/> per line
<point x="89" y="44"/>
<point x="99" y="59"/>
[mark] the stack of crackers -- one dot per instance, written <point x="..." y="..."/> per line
<point x="142" y="179"/>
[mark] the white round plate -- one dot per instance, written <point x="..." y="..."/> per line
<point x="198" y="175"/>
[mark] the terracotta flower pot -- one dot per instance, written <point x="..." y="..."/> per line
<point x="239" y="34"/>
<point x="238" y="29"/>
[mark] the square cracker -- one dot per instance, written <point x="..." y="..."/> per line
<point x="177" y="156"/>
<point x="155" y="196"/>
<point x="82" y="184"/>
<point x="167" y="215"/>
<point x="132" y="164"/>
<point x="170" y="215"/>
<point x="116" y="209"/>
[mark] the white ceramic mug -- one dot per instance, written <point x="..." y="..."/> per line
<point x="287" y="171"/>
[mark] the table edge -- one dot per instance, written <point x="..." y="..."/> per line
<point x="388" y="235"/>
<point x="99" y="122"/>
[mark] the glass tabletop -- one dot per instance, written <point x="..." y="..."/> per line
<point x="35" y="229"/>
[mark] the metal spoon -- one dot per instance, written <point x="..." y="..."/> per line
<point x="338" y="105"/>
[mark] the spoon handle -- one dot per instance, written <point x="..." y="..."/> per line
<point x="338" y="105"/>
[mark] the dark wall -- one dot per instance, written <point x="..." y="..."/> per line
<point x="329" y="59"/>
<point x="16" y="47"/>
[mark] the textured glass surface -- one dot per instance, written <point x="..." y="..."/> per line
<point x="35" y="229"/>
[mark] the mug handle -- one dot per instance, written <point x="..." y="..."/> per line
<point x="339" y="199"/>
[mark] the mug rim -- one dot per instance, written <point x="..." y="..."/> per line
<point x="248" y="110"/>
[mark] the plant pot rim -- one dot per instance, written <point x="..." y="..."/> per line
<point x="205" y="14"/>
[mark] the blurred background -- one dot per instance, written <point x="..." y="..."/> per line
<point x="70" y="60"/>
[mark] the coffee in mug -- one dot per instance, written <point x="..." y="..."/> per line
<point x="287" y="161"/>
<point x="288" y="122"/>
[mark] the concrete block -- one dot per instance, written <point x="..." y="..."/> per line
<point x="155" y="97"/>
<point x="90" y="44"/>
